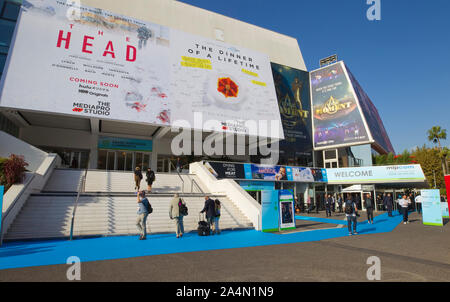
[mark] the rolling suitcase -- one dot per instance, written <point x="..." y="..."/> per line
<point x="203" y="226"/>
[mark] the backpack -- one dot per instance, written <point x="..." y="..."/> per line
<point x="182" y="208"/>
<point x="349" y="208"/>
<point x="149" y="207"/>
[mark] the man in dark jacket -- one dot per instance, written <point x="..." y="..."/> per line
<point x="387" y="202"/>
<point x="368" y="204"/>
<point x="328" y="203"/>
<point x="210" y="209"/>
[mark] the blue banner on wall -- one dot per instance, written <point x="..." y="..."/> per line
<point x="270" y="213"/>
<point x="121" y="143"/>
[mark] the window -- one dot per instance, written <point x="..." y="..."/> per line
<point x="10" y="10"/>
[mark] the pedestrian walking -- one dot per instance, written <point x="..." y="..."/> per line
<point x="144" y="208"/>
<point x="369" y="205"/>
<point x="308" y="203"/>
<point x="150" y="178"/>
<point x="388" y="204"/>
<point x="328" y="203"/>
<point x="177" y="211"/>
<point x="404" y="204"/>
<point x="339" y="201"/>
<point x="418" y="201"/>
<point x="210" y="209"/>
<point x="217" y="218"/>
<point x="351" y="210"/>
<point x="137" y="179"/>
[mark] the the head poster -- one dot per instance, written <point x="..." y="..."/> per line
<point x="337" y="118"/>
<point x="89" y="62"/>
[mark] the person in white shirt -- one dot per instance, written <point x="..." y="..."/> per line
<point x="404" y="204"/>
<point x="419" y="204"/>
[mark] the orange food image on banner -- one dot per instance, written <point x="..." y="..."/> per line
<point x="227" y="87"/>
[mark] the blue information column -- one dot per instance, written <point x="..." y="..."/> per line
<point x="431" y="207"/>
<point x="287" y="210"/>
<point x="269" y="208"/>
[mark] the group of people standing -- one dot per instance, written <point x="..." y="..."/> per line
<point x="150" y="178"/>
<point x="177" y="211"/>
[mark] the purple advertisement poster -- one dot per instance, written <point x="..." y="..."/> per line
<point x="373" y="119"/>
<point x="337" y="119"/>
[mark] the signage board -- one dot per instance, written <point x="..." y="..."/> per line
<point x="431" y="207"/>
<point x="337" y="119"/>
<point x="95" y="63"/>
<point x="329" y="60"/>
<point x="269" y="208"/>
<point x="372" y="174"/>
<point x="287" y="210"/>
<point x="121" y="143"/>
<point x="257" y="185"/>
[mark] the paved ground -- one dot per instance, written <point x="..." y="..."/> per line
<point x="411" y="252"/>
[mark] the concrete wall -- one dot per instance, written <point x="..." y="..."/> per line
<point x="280" y="48"/>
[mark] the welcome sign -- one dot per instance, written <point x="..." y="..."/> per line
<point x="100" y="64"/>
<point x="396" y="173"/>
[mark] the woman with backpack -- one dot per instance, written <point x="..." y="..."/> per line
<point x="217" y="218"/>
<point x="177" y="211"/>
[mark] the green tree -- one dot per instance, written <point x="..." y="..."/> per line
<point x="435" y="135"/>
<point x="429" y="160"/>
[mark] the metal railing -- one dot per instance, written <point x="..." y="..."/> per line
<point x="192" y="186"/>
<point x="182" y="180"/>
<point x="81" y="188"/>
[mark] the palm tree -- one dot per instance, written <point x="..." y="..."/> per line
<point x="435" y="134"/>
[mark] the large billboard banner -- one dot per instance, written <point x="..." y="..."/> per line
<point x="337" y="118"/>
<point x="373" y="119"/>
<point x="292" y="88"/>
<point x="100" y="64"/>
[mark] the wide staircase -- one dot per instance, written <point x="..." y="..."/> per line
<point x="107" y="205"/>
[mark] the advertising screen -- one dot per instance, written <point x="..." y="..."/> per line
<point x="292" y="89"/>
<point x="89" y="62"/>
<point x="337" y="119"/>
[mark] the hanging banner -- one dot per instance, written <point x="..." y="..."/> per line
<point x="337" y="118"/>
<point x="287" y="210"/>
<point x="269" y="208"/>
<point x="122" y="143"/>
<point x="431" y="207"/>
<point x="89" y="62"/>
<point x="257" y="185"/>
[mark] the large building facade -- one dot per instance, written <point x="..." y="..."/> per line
<point x="310" y="135"/>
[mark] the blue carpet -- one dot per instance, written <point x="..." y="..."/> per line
<point x="37" y="253"/>
<point x="319" y="219"/>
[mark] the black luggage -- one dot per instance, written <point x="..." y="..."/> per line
<point x="203" y="227"/>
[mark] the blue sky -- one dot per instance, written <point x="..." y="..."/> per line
<point x="401" y="61"/>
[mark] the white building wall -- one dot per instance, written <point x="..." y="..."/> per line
<point x="280" y="48"/>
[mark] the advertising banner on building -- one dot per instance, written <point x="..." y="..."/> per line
<point x="89" y="62"/>
<point x="337" y="118"/>
<point x="431" y="207"/>
<point x="226" y="170"/>
<point x="373" y="119"/>
<point x="121" y="143"/>
<point x="257" y="185"/>
<point x="376" y="174"/>
<point x="266" y="172"/>
<point x="287" y="211"/>
<point x="269" y="209"/>
<point x="292" y="88"/>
